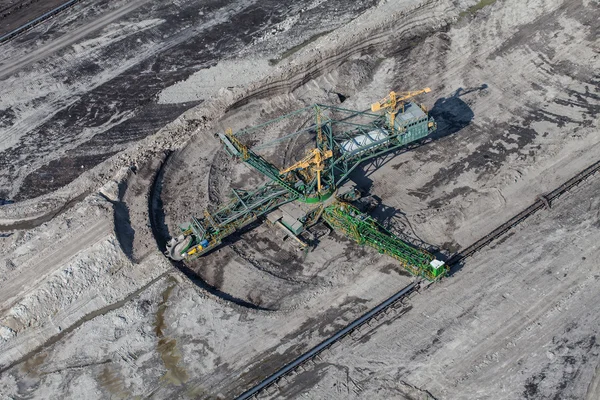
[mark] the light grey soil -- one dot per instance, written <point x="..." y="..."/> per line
<point x="89" y="307"/>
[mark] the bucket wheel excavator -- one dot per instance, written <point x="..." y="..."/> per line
<point x="344" y="139"/>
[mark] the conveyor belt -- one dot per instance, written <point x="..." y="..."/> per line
<point x="36" y="21"/>
<point x="542" y="202"/>
<point x="328" y="342"/>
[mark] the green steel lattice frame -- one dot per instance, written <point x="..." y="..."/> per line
<point x="338" y="126"/>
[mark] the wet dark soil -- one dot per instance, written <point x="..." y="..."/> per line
<point x="131" y="98"/>
<point x="58" y="173"/>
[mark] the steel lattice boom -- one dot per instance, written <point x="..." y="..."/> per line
<point x="344" y="139"/>
<point x="365" y="230"/>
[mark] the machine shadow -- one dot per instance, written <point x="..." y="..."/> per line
<point x="452" y="114"/>
<point x="397" y="222"/>
<point x="161" y="235"/>
<point x="123" y="229"/>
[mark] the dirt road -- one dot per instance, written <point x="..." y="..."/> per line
<point x="43" y="261"/>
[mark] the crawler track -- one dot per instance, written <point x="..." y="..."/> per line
<point x="540" y="203"/>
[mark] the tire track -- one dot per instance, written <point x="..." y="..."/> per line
<point x="45" y="262"/>
<point x="11" y="65"/>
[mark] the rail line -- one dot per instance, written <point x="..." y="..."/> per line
<point x="544" y="201"/>
<point x="6" y="37"/>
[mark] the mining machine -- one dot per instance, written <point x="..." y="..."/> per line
<point x="297" y="196"/>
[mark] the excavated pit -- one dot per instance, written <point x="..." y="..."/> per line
<point x="445" y="192"/>
<point x="256" y="264"/>
<point x="515" y="94"/>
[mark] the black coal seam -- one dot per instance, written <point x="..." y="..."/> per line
<point x="33" y="223"/>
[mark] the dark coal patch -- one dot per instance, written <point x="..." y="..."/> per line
<point x="133" y="93"/>
<point x="7" y="117"/>
<point x="58" y="173"/>
<point x="63" y="171"/>
<point x="456" y="192"/>
<point x="149" y="120"/>
<point x="330" y="321"/>
<point x="51" y="214"/>
<point x="487" y="158"/>
<point x="266" y="251"/>
<point x="532" y="386"/>
<point x="308" y="379"/>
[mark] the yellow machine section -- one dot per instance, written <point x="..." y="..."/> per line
<point x="313" y="162"/>
<point x="394" y="102"/>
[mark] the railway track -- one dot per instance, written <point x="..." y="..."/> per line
<point x="542" y="202"/>
<point x="25" y="27"/>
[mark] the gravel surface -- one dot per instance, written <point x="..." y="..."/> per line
<point x="91" y="309"/>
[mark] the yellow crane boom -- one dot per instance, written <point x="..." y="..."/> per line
<point x="395" y="100"/>
<point x="314" y="159"/>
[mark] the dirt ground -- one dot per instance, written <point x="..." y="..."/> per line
<point x="15" y="13"/>
<point x="91" y="308"/>
<point x="88" y="82"/>
<point x="517" y="321"/>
